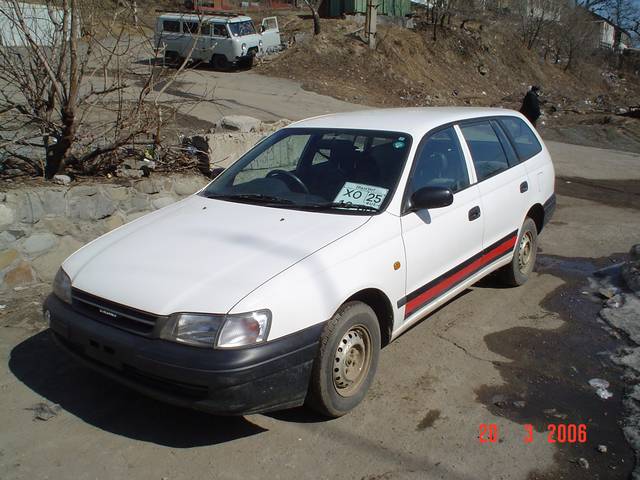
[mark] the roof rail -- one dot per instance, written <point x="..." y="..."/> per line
<point x="200" y="11"/>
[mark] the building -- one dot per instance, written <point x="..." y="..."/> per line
<point x="607" y="34"/>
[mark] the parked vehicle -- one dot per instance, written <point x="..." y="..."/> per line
<point x="223" y="40"/>
<point x="279" y="282"/>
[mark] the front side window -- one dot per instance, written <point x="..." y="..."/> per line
<point x="524" y="140"/>
<point x="486" y="150"/>
<point x="220" y="30"/>
<point x="240" y="29"/>
<point x="440" y="163"/>
<point x="344" y="171"/>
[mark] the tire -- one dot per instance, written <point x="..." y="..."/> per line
<point x="341" y="375"/>
<point x="219" y="62"/>
<point x="518" y="271"/>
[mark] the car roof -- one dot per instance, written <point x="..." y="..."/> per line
<point x="190" y="17"/>
<point x="414" y="121"/>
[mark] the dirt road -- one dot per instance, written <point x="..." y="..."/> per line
<point x="508" y="357"/>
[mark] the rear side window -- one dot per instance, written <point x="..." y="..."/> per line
<point x="488" y="156"/>
<point x="171" y="26"/>
<point x="440" y="163"/>
<point x="524" y="140"/>
<point x="195" y="28"/>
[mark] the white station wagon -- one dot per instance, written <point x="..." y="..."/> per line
<point x="278" y="283"/>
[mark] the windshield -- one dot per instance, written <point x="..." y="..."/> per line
<point x="344" y="171"/>
<point x="240" y="29"/>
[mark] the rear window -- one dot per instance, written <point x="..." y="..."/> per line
<point x="171" y="26"/>
<point x="488" y="156"/>
<point x="524" y="140"/>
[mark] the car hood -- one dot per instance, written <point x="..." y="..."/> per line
<point x="201" y="255"/>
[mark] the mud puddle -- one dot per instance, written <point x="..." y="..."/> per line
<point x="547" y="379"/>
<point x="616" y="193"/>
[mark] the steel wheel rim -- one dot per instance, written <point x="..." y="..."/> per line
<point x="352" y="361"/>
<point x="525" y="252"/>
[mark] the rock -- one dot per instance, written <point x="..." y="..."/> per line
<point x="91" y="207"/>
<point x="162" y="202"/>
<point x="134" y="216"/>
<point x="7" y="258"/>
<point x="30" y="209"/>
<point x="241" y="123"/>
<point x="62" y="179"/>
<point x="58" y="225"/>
<point x="54" y="202"/>
<point x="583" y="463"/>
<point x="20" y="275"/>
<point x="47" y="265"/>
<point x="615" y="301"/>
<point x="499" y="400"/>
<point x="6" y="215"/>
<point x="519" y="404"/>
<point x="602" y="448"/>
<point x="148" y="186"/>
<point x="483" y="70"/>
<point x="116" y="192"/>
<point x="38" y="242"/>
<point x="137" y="203"/>
<point x="42" y="411"/>
<point x="608" y="292"/>
<point x="114" y="221"/>
<point x="188" y="185"/>
<point x="129" y="173"/>
<point x="7" y="239"/>
<point x="83" y="191"/>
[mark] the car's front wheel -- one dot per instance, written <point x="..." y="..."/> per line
<point x="346" y="361"/>
<point x="518" y="271"/>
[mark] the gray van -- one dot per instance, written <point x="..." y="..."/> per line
<point x="224" y="40"/>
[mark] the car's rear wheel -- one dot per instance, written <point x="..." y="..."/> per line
<point x="347" y="360"/>
<point x="524" y="258"/>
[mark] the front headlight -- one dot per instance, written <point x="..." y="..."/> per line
<point x="260" y="44"/>
<point x="62" y="286"/>
<point x="221" y="331"/>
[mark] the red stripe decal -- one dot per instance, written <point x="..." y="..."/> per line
<point x="448" y="282"/>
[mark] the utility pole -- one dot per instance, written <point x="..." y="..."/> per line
<point x="371" y="23"/>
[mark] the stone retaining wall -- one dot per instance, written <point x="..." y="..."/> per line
<point x="41" y="225"/>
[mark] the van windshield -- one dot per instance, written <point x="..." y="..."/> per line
<point x="240" y="29"/>
<point x="344" y="171"/>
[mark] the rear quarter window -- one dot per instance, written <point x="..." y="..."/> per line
<point x="171" y="26"/>
<point x="524" y="140"/>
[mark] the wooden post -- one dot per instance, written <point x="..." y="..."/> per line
<point x="371" y="23"/>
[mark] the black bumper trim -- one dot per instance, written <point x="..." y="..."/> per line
<point x="271" y="376"/>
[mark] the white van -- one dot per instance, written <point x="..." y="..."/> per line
<point x="223" y="40"/>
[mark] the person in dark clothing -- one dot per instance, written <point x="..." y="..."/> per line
<point x="531" y="105"/>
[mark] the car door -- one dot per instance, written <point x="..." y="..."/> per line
<point x="502" y="181"/>
<point x="440" y="243"/>
<point x="270" y="34"/>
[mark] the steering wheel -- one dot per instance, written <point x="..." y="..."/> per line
<point x="292" y="176"/>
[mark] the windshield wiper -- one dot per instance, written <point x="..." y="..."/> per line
<point x="332" y="205"/>
<point x="252" y="197"/>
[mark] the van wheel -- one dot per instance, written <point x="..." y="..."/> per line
<point x="219" y="62"/>
<point x="346" y="362"/>
<point x="517" y="272"/>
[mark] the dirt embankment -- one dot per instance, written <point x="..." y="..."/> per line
<point x="484" y="63"/>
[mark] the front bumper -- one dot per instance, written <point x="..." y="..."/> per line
<point x="272" y="376"/>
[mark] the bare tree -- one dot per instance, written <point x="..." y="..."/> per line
<point x="313" y="7"/>
<point x="536" y="16"/>
<point x="68" y="91"/>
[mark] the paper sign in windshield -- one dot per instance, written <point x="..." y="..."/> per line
<point x="361" y="194"/>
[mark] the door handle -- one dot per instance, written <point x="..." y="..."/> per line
<point x="524" y="186"/>
<point x="474" y="213"/>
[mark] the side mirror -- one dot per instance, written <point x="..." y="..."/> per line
<point x="215" y="172"/>
<point x="430" y="197"/>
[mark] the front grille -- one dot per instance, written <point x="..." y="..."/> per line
<point x="114" y="314"/>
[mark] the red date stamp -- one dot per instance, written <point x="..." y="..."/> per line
<point x="556" y="433"/>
